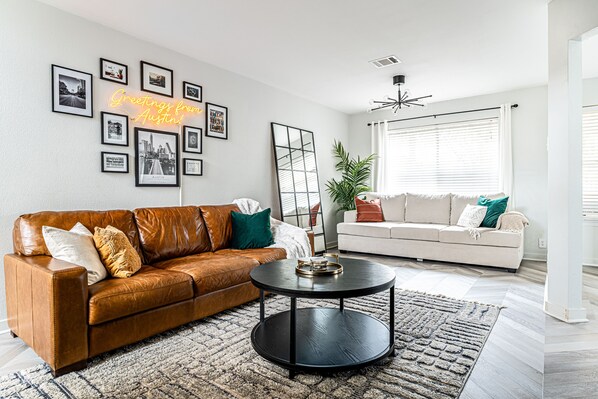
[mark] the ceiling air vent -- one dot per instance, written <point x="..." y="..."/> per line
<point x="385" y="61"/>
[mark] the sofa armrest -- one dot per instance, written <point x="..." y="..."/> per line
<point x="350" y="216"/>
<point x="46" y="302"/>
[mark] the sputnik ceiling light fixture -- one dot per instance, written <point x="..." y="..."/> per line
<point x="401" y="101"/>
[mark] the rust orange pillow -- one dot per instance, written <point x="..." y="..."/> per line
<point x="368" y="211"/>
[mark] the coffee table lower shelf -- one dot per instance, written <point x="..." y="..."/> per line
<point x="326" y="340"/>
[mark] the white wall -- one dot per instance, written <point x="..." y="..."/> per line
<point x="51" y="161"/>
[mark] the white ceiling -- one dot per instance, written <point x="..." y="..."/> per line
<point x="319" y="49"/>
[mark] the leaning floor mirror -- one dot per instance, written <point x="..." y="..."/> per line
<point x="298" y="184"/>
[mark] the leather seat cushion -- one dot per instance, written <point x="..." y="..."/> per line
<point x="367" y="229"/>
<point x="147" y="289"/>
<point x="417" y="231"/>
<point x="488" y="236"/>
<point x="212" y="272"/>
<point x="262" y="255"/>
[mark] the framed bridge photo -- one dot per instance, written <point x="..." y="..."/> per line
<point x="72" y="91"/>
<point x="156" y="158"/>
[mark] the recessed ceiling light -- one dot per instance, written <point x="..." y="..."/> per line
<point x="385" y="61"/>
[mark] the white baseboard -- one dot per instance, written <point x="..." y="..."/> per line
<point x="332" y="244"/>
<point x="4" y="326"/>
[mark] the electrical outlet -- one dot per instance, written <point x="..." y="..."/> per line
<point x="541" y="243"/>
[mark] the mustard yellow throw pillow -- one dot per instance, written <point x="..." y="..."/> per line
<point x="116" y="252"/>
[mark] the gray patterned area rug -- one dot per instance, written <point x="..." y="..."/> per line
<point x="438" y="340"/>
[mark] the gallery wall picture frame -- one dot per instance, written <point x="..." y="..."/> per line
<point x="115" y="162"/>
<point x="156" y="158"/>
<point x="72" y="91"/>
<point x="115" y="129"/>
<point x="216" y="121"/>
<point x="192" y="139"/>
<point x="114" y="71"/>
<point x="192" y="91"/>
<point x="192" y="167"/>
<point x="156" y="79"/>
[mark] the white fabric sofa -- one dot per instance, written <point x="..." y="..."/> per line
<point x="424" y="227"/>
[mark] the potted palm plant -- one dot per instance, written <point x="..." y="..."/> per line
<point x="355" y="177"/>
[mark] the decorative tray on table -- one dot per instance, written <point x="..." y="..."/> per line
<point x="318" y="266"/>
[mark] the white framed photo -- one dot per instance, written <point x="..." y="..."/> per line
<point x="114" y="71"/>
<point x="156" y="79"/>
<point x="192" y="140"/>
<point x="192" y="167"/>
<point x="216" y="121"/>
<point x="192" y="91"/>
<point x="115" y="162"/>
<point x="115" y="129"/>
<point x="72" y="91"/>
<point x="157" y="158"/>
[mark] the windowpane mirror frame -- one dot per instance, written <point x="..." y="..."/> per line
<point x="298" y="180"/>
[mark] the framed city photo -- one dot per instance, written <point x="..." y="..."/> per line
<point x="156" y="158"/>
<point x="192" y="167"/>
<point x="115" y="162"/>
<point x="216" y="121"/>
<point x="72" y="92"/>
<point x="192" y="139"/>
<point x="192" y="91"/>
<point x="114" y="71"/>
<point x="115" y="129"/>
<point x="156" y="79"/>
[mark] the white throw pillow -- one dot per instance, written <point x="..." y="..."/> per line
<point x="75" y="246"/>
<point x="472" y="216"/>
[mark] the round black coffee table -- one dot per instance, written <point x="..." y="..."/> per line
<point x="323" y="339"/>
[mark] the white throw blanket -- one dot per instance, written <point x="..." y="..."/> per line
<point x="292" y="238"/>
<point x="512" y="221"/>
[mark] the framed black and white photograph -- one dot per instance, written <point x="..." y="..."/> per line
<point x="156" y="158"/>
<point x="192" y="139"/>
<point x="192" y="167"/>
<point x="192" y="91"/>
<point x="156" y="79"/>
<point x="114" y="71"/>
<point x="216" y="121"/>
<point x="115" y="162"/>
<point x="72" y="91"/>
<point x="115" y="129"/>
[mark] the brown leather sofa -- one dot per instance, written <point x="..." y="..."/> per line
<point x="188" y="273"/>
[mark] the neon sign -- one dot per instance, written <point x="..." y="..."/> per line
<point x="154" y="111"/>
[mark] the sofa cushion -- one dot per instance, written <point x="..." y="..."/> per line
<point x="219" y="223"/>
<point x="212" y="272"/>
<point x="459" y="201"/>
<point x="393" y="205"/>
<point x="365" y="229"/>
<point x="171" y="232"/>
<point x="428" y="208"/>
<point x="417" y="231"/>
<point x="489" y="237"/>
<point x="262" y="255"/>
<point x="147" y="289"/>
<point x="27" y="232"/>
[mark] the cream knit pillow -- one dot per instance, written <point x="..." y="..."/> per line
<point x="472" y="216"/>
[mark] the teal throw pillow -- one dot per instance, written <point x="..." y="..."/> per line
<point x="495" y="208"/>
<point x="251" y="231"/>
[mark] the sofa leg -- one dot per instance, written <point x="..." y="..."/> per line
<point x="512" y="271"/>
<point x="70" y="368"/>
<point x="342" y="251"/>
<point x="419" y="260"/>
<point x="12" y="334"/>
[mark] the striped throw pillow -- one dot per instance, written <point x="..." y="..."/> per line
<point x="368" y="211"/>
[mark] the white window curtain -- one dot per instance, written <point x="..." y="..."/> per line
<point x="505" y="177"/>
<point x="590" y="161"/>
<point x="379" y="134"/>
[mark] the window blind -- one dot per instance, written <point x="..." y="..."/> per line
<point x="459" y="157"/>
<point x="590" y="162"/>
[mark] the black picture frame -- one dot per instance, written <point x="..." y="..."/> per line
<point x="121" y="154"/>
<point x="174" y="139"/>
<point x="59" y="99"/>
<point x="212" y="121"/>
<point x="125" y="134"/>
<point x="187" y="143"/>
<point x="146" y="86"/>
<point x="103" y="75"/>
<point x="186" y="96"/>
<point x="186" y="172"/>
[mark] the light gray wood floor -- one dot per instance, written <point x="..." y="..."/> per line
<point x="528" y="354"/>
